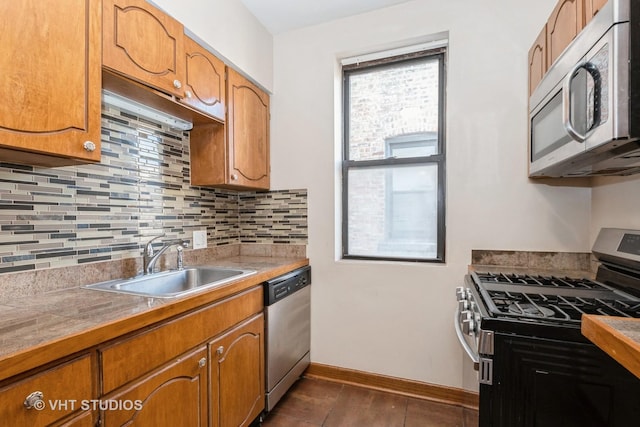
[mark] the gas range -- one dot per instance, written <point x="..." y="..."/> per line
<point x="522" y="331"/>
<point x="551" y="298"/>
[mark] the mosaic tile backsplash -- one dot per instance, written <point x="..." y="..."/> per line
<point x="55" y="217"/>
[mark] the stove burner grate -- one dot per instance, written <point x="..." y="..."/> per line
<point x="530" y="310"/>
<point x="534" y="280"/>
<point x="558" y="307"/>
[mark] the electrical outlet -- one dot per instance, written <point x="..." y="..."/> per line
<point x="199" y="239"/>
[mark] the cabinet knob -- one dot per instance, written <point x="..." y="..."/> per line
<point x="35" y="400"/>
<point x="177" y="84"/>
<point x="89" y="146"/>
<point x="234" y="177"/>
<point x="220" y="350"/>
<point x="187" y="93"/>
<point x="202" y="362"/>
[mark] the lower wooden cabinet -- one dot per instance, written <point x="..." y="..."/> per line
<point x="84" y="419"/>
<point x="237" y="374"/>
<point x="165" y="382"/>
<point x="175" y="395"/>
<point x="204" y="368"/>
<point x="48" y="397"/>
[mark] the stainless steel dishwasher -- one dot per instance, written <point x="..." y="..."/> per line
<point x="288" y="331"/>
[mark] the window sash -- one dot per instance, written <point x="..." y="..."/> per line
<point x="439" y="159"/>
<point x="365" y="164"/>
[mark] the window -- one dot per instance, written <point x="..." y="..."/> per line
<point x="393" y="167"/>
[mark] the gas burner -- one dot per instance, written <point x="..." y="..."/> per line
<point x="559" y="307"/>
<point x="530" y="310"/>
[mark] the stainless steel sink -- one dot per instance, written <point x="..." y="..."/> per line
<point x="173" y="283"/>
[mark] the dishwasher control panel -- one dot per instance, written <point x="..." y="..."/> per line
<point x="282" y="286"/>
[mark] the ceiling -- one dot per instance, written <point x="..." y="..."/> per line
<point x="280" y="16"/>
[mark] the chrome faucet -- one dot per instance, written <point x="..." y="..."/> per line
<point x="150" y="257"/>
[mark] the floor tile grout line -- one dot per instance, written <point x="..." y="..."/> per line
<point x="333" y="405"/>
<point x="406" y="411"/>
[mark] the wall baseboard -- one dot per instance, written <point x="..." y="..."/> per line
<point x="416" y="389"/>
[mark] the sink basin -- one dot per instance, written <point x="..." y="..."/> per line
<point x="174" y="283"/>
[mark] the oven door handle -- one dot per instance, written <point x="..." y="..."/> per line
<point x="475" y="358"/>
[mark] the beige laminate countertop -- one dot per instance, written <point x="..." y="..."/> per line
<point x="619" y="337"/>
<point x="40" y="329"/>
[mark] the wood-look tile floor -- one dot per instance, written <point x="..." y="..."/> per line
<point x="312" y="402"/>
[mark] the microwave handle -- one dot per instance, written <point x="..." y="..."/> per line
<point x="566" y="99"/>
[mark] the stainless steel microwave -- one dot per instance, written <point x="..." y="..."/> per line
<point x="584" y="116"/>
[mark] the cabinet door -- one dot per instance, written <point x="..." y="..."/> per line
<point x="537" y="60"/>
<point x="204" y="82"/>
<point x="175" y="395"/>
<point x="126" y="360"/>
<point x="145" y="44"/>
<point x="563" y="26"/>
<point x="50" y="85"/>
<point x="591" y="7"/>
<point x="52" y="394"/>
<point x="85" y="419"/>
<point x="237" y="375"/>
<point x="248" y="133"/>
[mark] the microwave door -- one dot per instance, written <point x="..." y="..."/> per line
<point x="608" y="88"/>
<point x="551" y="144"/>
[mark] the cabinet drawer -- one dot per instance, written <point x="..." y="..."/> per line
<point x="127" y="360"/>
<point x="63" y="389"/>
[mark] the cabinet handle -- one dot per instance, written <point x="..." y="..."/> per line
<point x="177" y="84"/>
<point x="202" y="362"/>
<point x="89" y="146"/>
<point x="187" y="93"/>
<point x="220" y="350"/>
<point x="234" y="177"/>
<point x="34" y="400"/>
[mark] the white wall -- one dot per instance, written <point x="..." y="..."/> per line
<point x="393" y="318"/>
<point x="232" y="31"/>
<point x="615" y="203"/>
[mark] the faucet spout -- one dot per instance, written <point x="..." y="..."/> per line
<point x="150" y="258"/>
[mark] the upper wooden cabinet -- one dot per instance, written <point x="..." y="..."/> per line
<point x="148" y="46"/>
<point x="537" y="60"/>
<point x="50" y="85"/>
<point x="247" y="132"/>
<point x="563" y="26"/>
<point x="568" y="18"/>
<point x="239" y="158"/>
<point x="591" y="7"/>
<point x="204" y="80"/>
<point x="144" y="43"/>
